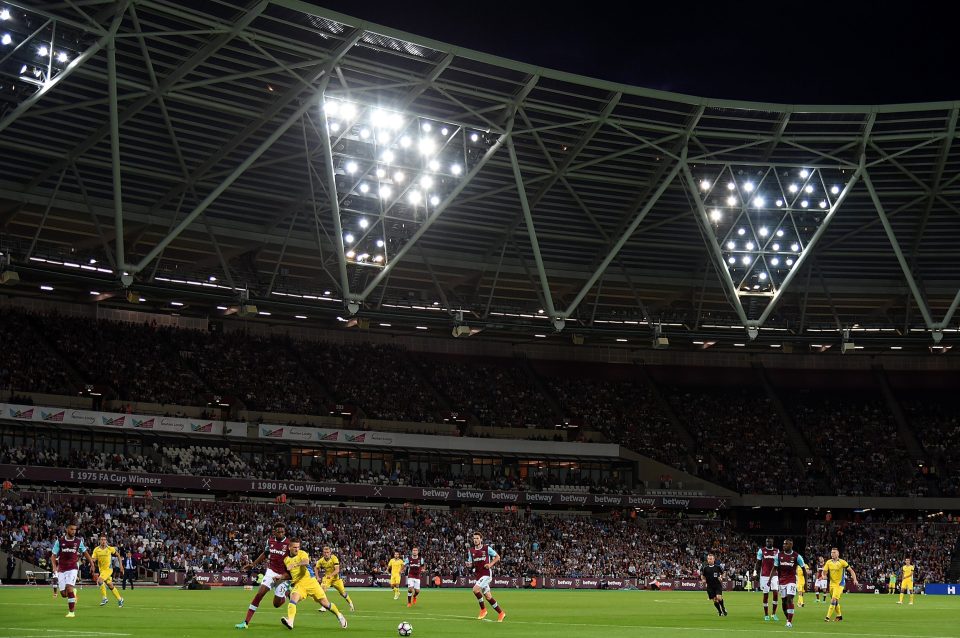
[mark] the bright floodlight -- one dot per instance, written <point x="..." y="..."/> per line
<point x="793" y="188"/>
<point x="804" y="204"/>
<point x="779" y="203"/>
<point x="775" y="261"/>
<point x="444" y="131"/>
<point x="748" y="186"/>
<point x="732" y="260"/>
<point x="426" y="181"/>
<point x="833" y="189"/>
<point x="746" y="260"/>
<point x="775" y="247"/>
<point x="731" y="201"/>
<point x="731" y="245"/>
<point x="705" y="184"/>
<point x="6" y="39"/>
<point x="789" y="262"/>
<point x="809" y="188"/>
<point x="363" y="222"/>
<point x="414" y="197"/>
<point x="405" y="141"/>
<point x="378" y="118"/>
<point x="364" y="133"/>
<point x="348" y="111"/>
<point x="43" y="51"/>
<point x="379" y="243"/>
<point x="795" y="247"/>
<point x="348" y="238"/>
<point x="395" y="121"/>
<point x="334" y="127"/>
<point x="456" y="169"/>
<point x="741" y="231"/>
<point x="62" y="57"/>
<point x="364" y="188"/>
<point x="434" y="201"/>
<point x="731" y="186"/>
<point x="381" y="173"/>
<point x="387" y="156"/>
<point x="351" y="167"/>
<point x="398" y="177"/>
<point x="804" y="173"/>
<point x="384" y="137"/>
<point x="426" y="127"/>
<point x="758" y="201"/>
<point x="350" y="254"/>
<point x="763" y="276"/>
<point x="779" y="232"/>
<point x="5" y="14"/>
<point x="474" y="137"/>
<point x="427" y="146"/>
<point x="331" y="108"/>
<point x="750" y="245"/>
<point x="763" y="231"/>
<point x="434" y="165"/>
<point x="385" y="192"/>
<point x="378" y="259"/>
<point x="823" y="203"/>
<point x="716" y="215"/>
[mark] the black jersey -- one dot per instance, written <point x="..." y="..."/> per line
<point x="712" y="573"/>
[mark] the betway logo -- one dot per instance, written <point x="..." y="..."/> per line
<point x="573" y="498"/>
<point x="436" y="494"/>
<point x="476" y="496"/>
<point x="682" y="502"/>
<point x="540" y="498"/>
<point x="564" y="583"/>
<point x="606" y="500"/>
<point x="504" y="496"/>
<point x="641" y="500"/>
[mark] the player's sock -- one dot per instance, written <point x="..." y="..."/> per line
<point x="766" y="607"/>
<point x="839" y="612"/>
<point x="717" y="605"/>
<point x="334" y="609"/>
<point x="71" y="603"/>
<point x="800" y="599"/>
<point x="409" y="598"/>
<point x="775" y="601"/>
<point x="901" y="597"/>
<point x="788" y="609"/>
<point x="103" y="591"/>
<point x="911" y="599"/>
<point x="291" y="611"/>
<point x="830" y="610"/>
<point x="250" y="612"/>
<point x="723" y="605"/>
<point x="495" y="605"/>
<point x="116" y="593"/>
<point x="479" y="598"/>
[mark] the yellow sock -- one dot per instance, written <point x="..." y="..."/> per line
<point x="901" y="597"/>
<point x="396" y="591"/>
<point x="830" y="611"/>
<point x="116" y="593"/>
<point x="334" y="609"/>
<point x="800" y="598"/>
<point x="839" y="613"/>
<point x="291" y="611"/>
<point x="347" y="598"/>
<point x="103" y="591"/>
<point x="911" y="599"/>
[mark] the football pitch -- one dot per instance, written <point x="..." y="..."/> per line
<point x="27" y="612"/>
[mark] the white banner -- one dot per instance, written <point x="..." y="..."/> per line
<point x="116" y="420"/>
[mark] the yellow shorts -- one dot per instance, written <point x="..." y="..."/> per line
<point x="801" y="585"/>
<point x="335" y="584"/>
<point x="906" y="586"/>
<point x="836" y="591"/>
<point x="394" y="583"/>
<point x="107" y="577"/>
<point x="311" y="589"/>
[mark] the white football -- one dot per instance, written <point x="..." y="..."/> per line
<point x="405" y="629"/>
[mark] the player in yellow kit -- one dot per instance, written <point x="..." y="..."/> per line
<point x="395" y="566"/>
<point x="303" y="584"/>
<point x="836" y="569"/>
<point x="906" y="580"/>
<point x="329" y="566"/>
<point x="801" y="584"/>
<point x="103" y="557"/>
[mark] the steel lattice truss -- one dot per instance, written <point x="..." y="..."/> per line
<point x="181" y="140"/>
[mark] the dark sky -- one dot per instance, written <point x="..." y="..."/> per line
<point x="779" y="51"/>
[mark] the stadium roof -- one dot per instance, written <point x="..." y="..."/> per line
<point x="526" y="198"/>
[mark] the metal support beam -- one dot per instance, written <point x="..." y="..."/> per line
<point x="908" y="275"/>
<point x="77" y="62"/>
<point x="120" y="259"/>
<point x="531" y="230"/>
<point x="46" y="211"/>
<point x="437" y="212"/>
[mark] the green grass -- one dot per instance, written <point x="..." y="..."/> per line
<point x="165" y="613"/>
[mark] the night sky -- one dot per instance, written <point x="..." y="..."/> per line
<point x="794" y="52"/>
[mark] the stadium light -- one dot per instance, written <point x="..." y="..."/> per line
<point x="716" y="215"/>
<point x="6" y="39"/>
<point x="748" y="187"/>
<point x="43" y="51"/>
<point x="62" y="57"/>
<point x="5" y="14"/>
<point x="741" y="231"/>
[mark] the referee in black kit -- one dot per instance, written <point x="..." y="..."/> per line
<point x="711" y="574"/>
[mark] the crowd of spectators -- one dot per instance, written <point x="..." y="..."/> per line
<point x="876" y="548"/>
<point x="936" y="422"/>
<point x="221" y="535"/>
<point x="27" y="364"/>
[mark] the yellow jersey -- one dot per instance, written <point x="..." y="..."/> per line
<point x="302" y="573"/>
<point x="836" y="571"/>
<point x="908" y="572"/>
<point x="395" y="566"/>
<point x="801" y="577"/>
<point x="102" y="557"/>
<point x="327" y="566"/>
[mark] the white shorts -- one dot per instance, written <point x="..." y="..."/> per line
<point x="413" y="583"/>
<point x="790" y="589"/>
<point x="272" y="579"/>
<point x="768" y="584"/>
<point x="67" y="578"/>
<point x="484" y="584"/>
<point x="821" y="585"/>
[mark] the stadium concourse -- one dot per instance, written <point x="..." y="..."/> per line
<point x="263" y="263"/>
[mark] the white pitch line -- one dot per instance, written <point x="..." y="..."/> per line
<point x="72" y="632"/>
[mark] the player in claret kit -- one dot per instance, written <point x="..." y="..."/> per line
<point x="414" y="566"/>
<point x="482" y="558"/>
<point x="276" y="575"/>
<point x="65" y="560"/>
<point x="768" y="577"/>
<point x="820" y="585"/>
<point x="787" y="563"/>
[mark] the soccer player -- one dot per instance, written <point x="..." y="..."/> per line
<point x="906" y="580"/>
<point x="303" y="583"/>
<point x="892" y="583"/>
<point x="820" y="585"/>
<point x="837" y="569"/>
<point x="65" y="561"/>
<point x="787" y="563"/>
<point x="482" y="558"/>
<point x="768" y="577"/>
<point x="395" y="566"/>
<point x="711" y="575"/>
<point x="329" y="564"/>
<point x="801" y="584"/>
<point x="103" y="556"/>
<point x="276" y="575"/>
<point x="414" y="567"/>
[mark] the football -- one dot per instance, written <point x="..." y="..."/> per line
<point x="405" y="628"/>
